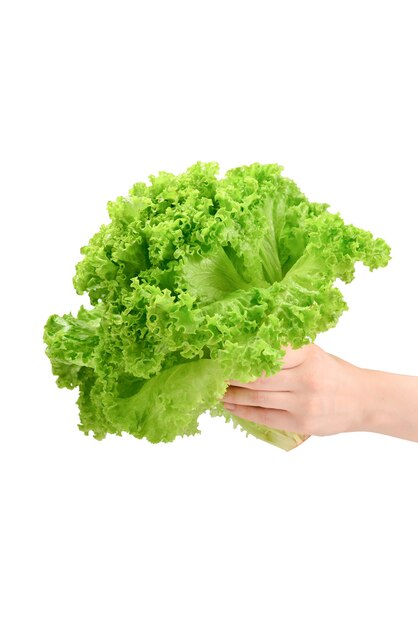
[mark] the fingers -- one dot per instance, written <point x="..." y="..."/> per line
<point x="272" y="401"/>
<point x="260" y="398"/>
<point x="273" y="418"/>
<point x="285" y="380"/>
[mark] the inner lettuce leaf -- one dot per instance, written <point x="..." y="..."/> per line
<point x="197" y="280"/>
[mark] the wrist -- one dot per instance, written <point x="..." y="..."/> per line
<point x="375" y="409"/>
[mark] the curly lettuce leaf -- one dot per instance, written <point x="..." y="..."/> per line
<point x="197" y="280"/>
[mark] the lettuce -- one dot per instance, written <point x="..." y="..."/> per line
<point x="197" y="280"/>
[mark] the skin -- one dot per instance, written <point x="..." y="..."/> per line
<point x="317" y="393"/>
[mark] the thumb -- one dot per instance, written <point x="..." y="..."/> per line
<point x="293" y="358"/>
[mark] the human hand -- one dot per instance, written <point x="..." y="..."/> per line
<point x="315" y="393"/>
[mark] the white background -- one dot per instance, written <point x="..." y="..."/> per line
<point x="214" y="529"/>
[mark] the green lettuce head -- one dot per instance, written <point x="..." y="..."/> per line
<point x="197" y="280"/>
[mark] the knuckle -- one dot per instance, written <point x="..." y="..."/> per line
<point x="263" y="383"/>
<point x="259" y="397"/>
<point x="314" y="381"/>
<point x="314" y="406"/>
<point x="313" y="377"/>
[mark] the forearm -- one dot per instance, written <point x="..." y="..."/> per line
<point x="391" y="404"/>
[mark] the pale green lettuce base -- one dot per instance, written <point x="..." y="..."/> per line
<point x="281" y="438"/>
